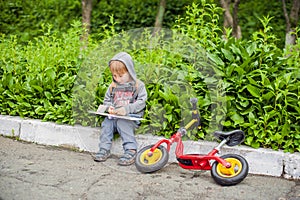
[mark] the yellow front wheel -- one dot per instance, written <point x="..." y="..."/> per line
<point x="232" y="175"/>
<point x="146" y="162"/>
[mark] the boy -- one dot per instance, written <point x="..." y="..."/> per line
<point x="126" y="95"/>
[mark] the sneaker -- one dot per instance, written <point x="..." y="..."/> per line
<point x="102" y="155"/>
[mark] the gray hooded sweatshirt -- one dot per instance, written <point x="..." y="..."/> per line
<point x="131" y="95"/>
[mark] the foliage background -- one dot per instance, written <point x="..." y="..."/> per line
<point x="42" y="69"/>
<point x="24" y="18"/>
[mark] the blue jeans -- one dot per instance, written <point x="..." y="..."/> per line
<point x="125" y="128"/>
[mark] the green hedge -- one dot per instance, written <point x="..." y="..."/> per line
<point x="250" y="85"/>
<point x="37" y="79"/>
<point x="25" y="18"/>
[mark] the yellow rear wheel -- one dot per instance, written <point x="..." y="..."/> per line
<point x="235" y="169"/>
<point x="232" y="175"/>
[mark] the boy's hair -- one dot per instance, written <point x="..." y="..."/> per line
<point x="117" y="67"/>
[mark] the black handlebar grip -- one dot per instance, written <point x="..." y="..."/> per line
<point x="194" y="103"/>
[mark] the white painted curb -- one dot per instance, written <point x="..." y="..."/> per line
<point x="261" y="161"/>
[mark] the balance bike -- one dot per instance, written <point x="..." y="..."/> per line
<point x="226" y="170"/>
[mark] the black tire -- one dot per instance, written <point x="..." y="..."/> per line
<point x="233" y="175"/>
<point x="147" y="164"/>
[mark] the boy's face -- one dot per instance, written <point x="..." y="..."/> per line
<point x="121" y="78"/>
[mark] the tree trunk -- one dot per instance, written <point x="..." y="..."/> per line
<point x="86" y="18"/>
<point x="236" y="29"/>
<point x="291" y="22"/>
<point x="160" y="16"/>
<point x="229" y="20"/>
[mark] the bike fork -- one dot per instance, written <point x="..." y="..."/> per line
<point x="175" y="138"/>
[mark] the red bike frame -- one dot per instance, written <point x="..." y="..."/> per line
<point x="191" y="161"/>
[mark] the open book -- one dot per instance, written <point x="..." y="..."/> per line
<point x="128" y="117"/>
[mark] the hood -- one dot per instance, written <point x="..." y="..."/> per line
<point x="127" y="60"/>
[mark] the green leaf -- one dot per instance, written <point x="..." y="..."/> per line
<point x="235" y="49"/>
<point x="48" y="95"/>
<point x="168" y="117"/>
<point x="230" y="69"/>
<point x="244" y="103"/>
<point x="38" y="88"/>
<point x="240" y="70"/>
<point x="164" y="125"/>
<point x="251" y="48"/>
<point x="40" y="110"/>
<point x="228" y="55"/>
<point x="252" y="81"/>
<point x="268" y="96"/>
<point x="216" y="59"/>
<point x="255" y="145"/>
<point x="251" y="118"/>
<point x="237" y="119"/>
<point x="64" y="97"/>
<point x="286" y="129"/>
<point x="226" y="123"/>
<point x="254" y="91"/>
<point x="50" y="72"/>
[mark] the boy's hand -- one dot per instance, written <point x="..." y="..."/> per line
<point x="102" y="108"/>
<point x="120" y="111"/>
<point x="111" y="110"/>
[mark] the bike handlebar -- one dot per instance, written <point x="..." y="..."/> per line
<point x="194" y="103"/>
<point x="195" y="122"/>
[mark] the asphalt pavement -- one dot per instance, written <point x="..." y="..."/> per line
<point x="30" y="171"/>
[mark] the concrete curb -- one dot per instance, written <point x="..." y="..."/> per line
<point x="261" y="161"/>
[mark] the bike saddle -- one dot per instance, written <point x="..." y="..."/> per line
<point x="233" y="138"/>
